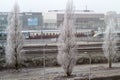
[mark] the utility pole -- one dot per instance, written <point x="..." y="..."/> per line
<point x="90" y="66"/>
<point x="45" y="46"/>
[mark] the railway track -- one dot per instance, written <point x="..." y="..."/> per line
<point x="52" y="48"/>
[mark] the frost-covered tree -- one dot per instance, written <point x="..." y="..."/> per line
<point x="67" y="53"/>
<point x="14" y="38"/>
<point x="110" y="38"/>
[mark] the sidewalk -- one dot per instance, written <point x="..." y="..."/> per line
<point x="96" y="70"/>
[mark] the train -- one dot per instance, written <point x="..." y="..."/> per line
<point x="45" y="34"/>
<point x="102" y="34"/>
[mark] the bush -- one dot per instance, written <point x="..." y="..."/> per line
<point x="2" y="63"/>
<point x="38" y="62"/>
<point x="99" y="59"/>
<point x="83" y="60"/>
<point x="94" y="59"/>
<point x="35" y="62"/>
<point x="52" y="61"/>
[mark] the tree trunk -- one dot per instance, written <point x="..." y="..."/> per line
<point x="110" y="62"/>
<point x="68" y="73"/>
<point x="16" y="58"/>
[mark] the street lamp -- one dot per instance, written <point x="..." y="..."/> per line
<point x="45" y="46"/>
<point x="89" y="64"/>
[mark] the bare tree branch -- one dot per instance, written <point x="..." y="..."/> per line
<point x="14" y="38"/>
<point x="67" y="55"/>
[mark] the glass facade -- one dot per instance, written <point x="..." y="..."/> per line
<point x="29" y="20"/>
<point x="3" y="22"/>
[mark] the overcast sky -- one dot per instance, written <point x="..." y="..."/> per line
<point x="45" y="5"/>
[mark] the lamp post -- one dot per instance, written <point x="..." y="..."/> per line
<point x="43" y="48"/>
<point x="44" y="59"/>
<point x="89" y="76"/>
<point x="89" y="66"/>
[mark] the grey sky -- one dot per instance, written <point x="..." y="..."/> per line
<point x="45" y="5"/>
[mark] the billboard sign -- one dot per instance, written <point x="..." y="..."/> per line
<point x="32" y="21"/>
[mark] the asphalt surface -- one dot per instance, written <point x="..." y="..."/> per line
<point x="96" y="70"/>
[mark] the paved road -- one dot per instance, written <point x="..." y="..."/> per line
<point x="97" y="70"/>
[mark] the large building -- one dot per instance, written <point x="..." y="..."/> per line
<point x="52" y="20"/>
<point x="82" y="20"/>
<point x="29" y="20"/>
<point x="32" y="20"/>
<point x="3" y="20"/>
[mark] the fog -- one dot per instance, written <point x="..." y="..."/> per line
<point x="45" y="5"/>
